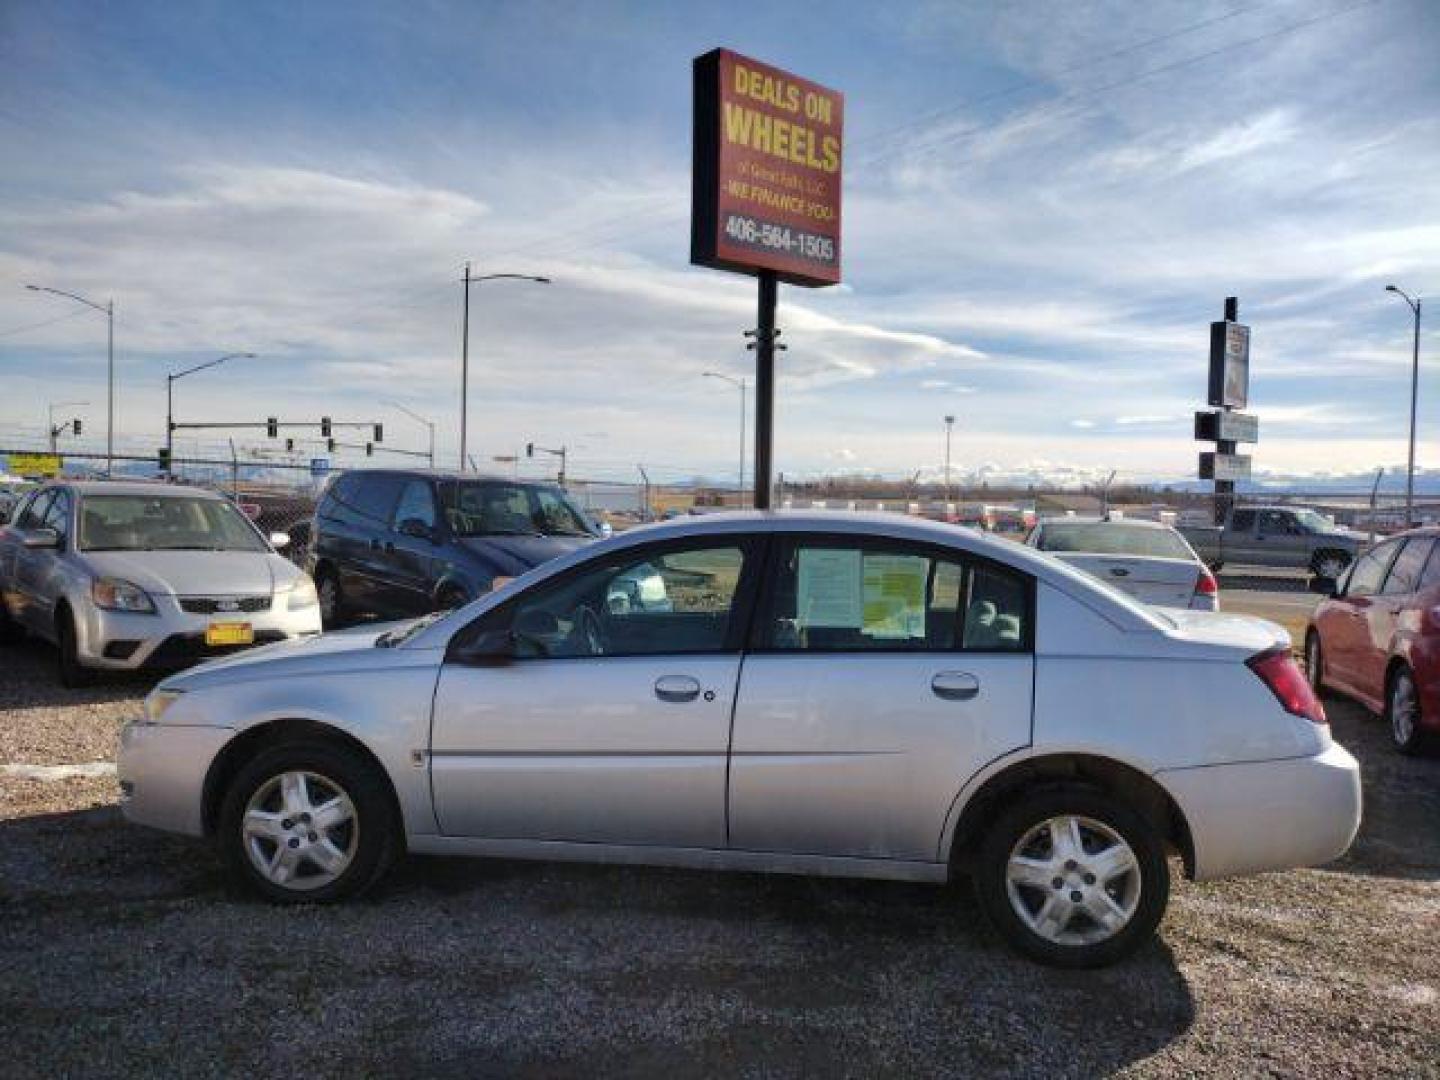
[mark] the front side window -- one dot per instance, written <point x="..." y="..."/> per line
<point x="891" y="597"/>
<point x="1369" y="571"/>
<point x="504" y="508"/>
<point x="1277" y="523"/>
<point x="1405" y="573"/>
<point x="416" y="504"/>
<point x="164" y="523"/>
<point x="661" y="602"/>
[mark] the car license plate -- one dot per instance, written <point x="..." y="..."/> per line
<point x="229" y="633"/>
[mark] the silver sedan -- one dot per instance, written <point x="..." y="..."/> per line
<point x="870" y="696"/>
<point x="124" y="576"/>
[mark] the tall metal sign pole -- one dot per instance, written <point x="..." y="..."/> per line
<point x="1224" y="425"/>
<point x="765" y="199"/>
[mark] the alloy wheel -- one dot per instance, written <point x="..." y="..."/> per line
<point x="1073" y="880"/>
<point x="1330" y="567"/>
<point x="301" y="830"/>
<point x="1404" y="709"/>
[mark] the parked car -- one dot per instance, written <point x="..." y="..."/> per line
<point x="864" y="695"/>
<point x="124" y="576"/>
<point x="1377" y="637"/>
<point x="397" y="543"/>
<point x="1150" y="561"/>
<point x="1282" y="536"/>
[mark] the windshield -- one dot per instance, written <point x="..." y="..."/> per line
<point x="164" y="523"/>
<point x="503" y="508"/>
<point x="1313" y="522"/>
<point x="1110" y="538"/>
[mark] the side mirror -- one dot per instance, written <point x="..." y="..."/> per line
<point x="490" y="648"/>
<point x="606" y="530"/>
<point x="41" y="538"/>
<point x="416" y="528"/>
<point x="279" y="540"/>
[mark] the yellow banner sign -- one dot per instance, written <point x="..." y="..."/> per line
<point x="35" y="464"/>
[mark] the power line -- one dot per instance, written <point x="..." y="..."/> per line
<point x="43" y="322"/>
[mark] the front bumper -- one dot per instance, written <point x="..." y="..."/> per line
<point x="1268" y="815"/>
<point x="173" y="638"/>
<point x="162" y="769"/>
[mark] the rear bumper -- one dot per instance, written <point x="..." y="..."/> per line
<point x="1268" y="815"/>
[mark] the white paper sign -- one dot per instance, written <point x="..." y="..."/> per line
<point x="828" y="588"/>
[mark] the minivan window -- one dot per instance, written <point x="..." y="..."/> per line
<point x="505" y="508"/>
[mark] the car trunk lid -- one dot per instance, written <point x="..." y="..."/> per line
<point x="1149" y="579"/>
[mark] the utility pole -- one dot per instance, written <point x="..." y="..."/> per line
<point x="430" y="424"/>
<point x="1414" y="395"/>
<point x="108" y="310"/>
<point x="467" y="281"/>
<point x="740" y="483"/>
<point x="949" y="427"/>
<point x="170" y="405"/>
<point x="645" y="478"/>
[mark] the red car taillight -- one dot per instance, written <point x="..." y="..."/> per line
<point x="1205" y="584"/>
<point x="1279" y="672"/>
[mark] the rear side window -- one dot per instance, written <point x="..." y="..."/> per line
<point x="416" y="504"/>
<point x="337" y="497"/>
<point x="1430" y="576"/>
<point x="891" y="597"/>
<point x="1369" y="571"/>
<point x="1405" y="572"/>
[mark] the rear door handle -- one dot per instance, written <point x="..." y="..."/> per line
<point x="955" y="685"/>
<point x="677" y="688"/>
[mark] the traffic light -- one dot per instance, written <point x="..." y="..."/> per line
<point x="379" y="432"/>
<point x="325" y="427"/>
<point x="75" y="425"/>
<point x="289" y="446"/>
<point x="529" y="449"/>
<point x="272" y="427"/>
<point x="369" y="449"/>
<point x="163" y="457"/>
<point x="330" y="446"/>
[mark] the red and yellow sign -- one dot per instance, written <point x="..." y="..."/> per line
<point x="767" y="167"/>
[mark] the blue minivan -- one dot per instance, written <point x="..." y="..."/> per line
<point x="403" y="542"/>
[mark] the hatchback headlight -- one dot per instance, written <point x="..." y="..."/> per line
<point x="158" y="703"/>
<point x="117" y="594"/>
<point x="302" y="595"/>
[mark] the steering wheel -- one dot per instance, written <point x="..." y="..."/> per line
<point x="589" y="631"/>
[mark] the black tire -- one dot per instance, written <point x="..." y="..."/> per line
<point x="1320" y="560"/>
<point x="11" y="632"/>
<point x="377" y="837"/>
<point x="1024" y="818"/>
<point x="1315" y="661"/>
<point x="73" y="674"/>
<point x="1409" y="738"/>
<point x="334" y="609"/>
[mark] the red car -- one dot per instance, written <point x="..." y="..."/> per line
<point x="1377" y="637"/>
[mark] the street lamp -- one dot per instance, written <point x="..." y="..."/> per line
<point x="170" y="404"/>
<point x="109" y="312"/>
<point x="416" y="416"/>
<point x="465" y="344"/>
<point x="1414" y="394"/>
<point x="740" y="490"/>
<point x="51" y="428"/>
<point x="949" y="427"/>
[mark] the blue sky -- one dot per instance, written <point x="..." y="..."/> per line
<point x="1046" y="203"/>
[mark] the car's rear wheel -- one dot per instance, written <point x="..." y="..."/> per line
<point x="11" y="633"/>
<point x="1402" y="712"/>
<point x="333" y="609"/>
<point x="1072" y="877"/>
<point x="1315" y="661"/>
<point x="308" y="822"/>
<point x="1329" y="564"/>
<point x="73" y="673"/>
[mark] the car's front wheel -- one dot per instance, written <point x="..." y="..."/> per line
<point x="1072" y="877"/>
<point x="73" y="673"/>
<point x="308" y="822"/>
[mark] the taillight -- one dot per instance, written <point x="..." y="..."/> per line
<point x="1279" y="672"/>
<point x="1205" y="584"/>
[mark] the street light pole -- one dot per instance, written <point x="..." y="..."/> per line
<point x="469" y="280"/>
<point x="949" y="427"/>
<point x="430" y="424"/>
<point x="1414" y="396"/>
<point x="170" y="404"/>
<point x="740" y="488"/>
<point x="108" y="310"/>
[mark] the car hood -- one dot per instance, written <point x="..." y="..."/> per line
<point x="513" y="555"/>
<point x="195" y="573"/>
<point x="295" y="653"/>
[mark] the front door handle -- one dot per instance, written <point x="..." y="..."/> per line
<point x="955" y="685"/>
<point x="677" y="688"/>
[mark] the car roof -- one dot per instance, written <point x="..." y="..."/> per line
<point x="448" y="474"/>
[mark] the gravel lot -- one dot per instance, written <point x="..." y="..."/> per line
<point x="122" y="952"/>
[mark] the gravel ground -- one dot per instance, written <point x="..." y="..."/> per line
<point x="122" y="952"/>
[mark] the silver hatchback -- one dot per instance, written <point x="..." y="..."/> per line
<point x="123" y="576"/>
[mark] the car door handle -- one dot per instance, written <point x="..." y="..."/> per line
<point x="677" y="688"/>
<point x="955" y="685"/>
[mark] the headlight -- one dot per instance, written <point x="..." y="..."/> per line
<point x="302" y="595"/>
<point x="116" y="594"/>
<point x="159" y="702"/>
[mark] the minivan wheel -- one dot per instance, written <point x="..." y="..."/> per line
<point x="73" y="674"/>
<point x="332" y="598"/>
<point x="10" y="631"/>
<point x="308" y="822"/>
<point x="1402" y="711"/>
<point x="1072" y="877"/>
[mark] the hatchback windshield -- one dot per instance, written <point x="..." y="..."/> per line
<point x="499" y="508"/>
<point x="1109" y="538"/>
<point x="164" y="523"/>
